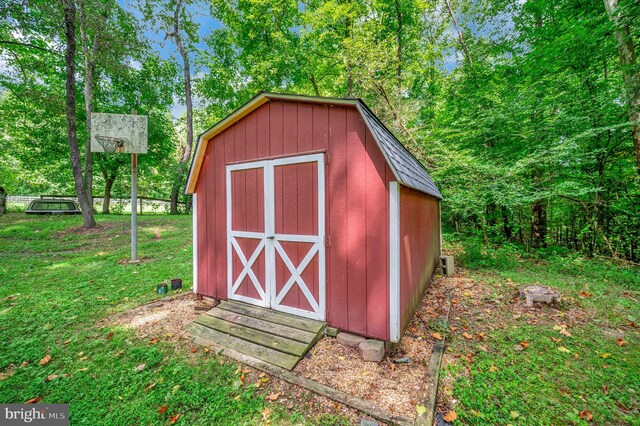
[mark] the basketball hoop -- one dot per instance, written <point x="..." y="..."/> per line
<point x="111" y="145"/>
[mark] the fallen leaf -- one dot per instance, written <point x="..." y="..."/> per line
<point x="467" y="335"/>
<point x="45" y="360"/>
<point x="605" y="355"/>
<point x="563" y="349"/>
<point x="84" y="369"/>
<point x="110" y="335"/>
<point x="483" y="348"/>
<point x="266" y="413"/>
<point x="265" y="379"/>
<point x="524" y="344"/>
<point x="585" y="415"/>
<point x="436" y="336"/>
<point x="258" y="384"/>
<point x="518" y="347"/>
<point x="421" y="409"/>
<point x="564" y="332"/>
<point x="206" y="350"/>
<point x="450" y="416"/>
<point x="66" y="342"/>
<point x="481" y="336"/>
<point x="175" y="389"/>
<point x="151" y="386"/>
<point x="174" y="419"/>
<point x="33" y="400"/>
<point x="514" y="414"/>
<point x="193" y="350"/>
<point x="24" y="364"/>
<point x="585" y="294"/>
<point x="139" y="368"/>
<point x="452" y="328"/>
<point x="273" y="396"/>
<point x="621" y="342"/>
<point x="51" y="377"/>
<point x="605" y="389"/>
<point x="557" y="340"/>
<point x="163" y="409"/>
<point x="493" y="369"/>
<point x="153" y="341"/>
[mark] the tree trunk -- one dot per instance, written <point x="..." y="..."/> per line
<point x="399" y="43"/>
<point x="627" y="54"/>
<point x="89" y="86"/>
<point x="108" y="185"/>
<point x="460" y="36"/>
<point x="186" y="153"/>
<point x="539" y="224"/>
<point x="72" y="135"/>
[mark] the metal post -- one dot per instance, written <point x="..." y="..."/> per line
<point x="134" y="203"/>
<point x="134" y="207"/>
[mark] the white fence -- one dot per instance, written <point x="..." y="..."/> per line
<point x="118" y="205"/>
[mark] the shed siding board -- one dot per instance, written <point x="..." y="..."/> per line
<point x="338" y="297"/>
<point x="357" y="293"/>
<point x="356" y="225"/>
<point x="377" y="239"/>
<point x="419" y="248"/>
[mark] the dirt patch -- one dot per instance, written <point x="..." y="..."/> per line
<point x="165" y="318"/>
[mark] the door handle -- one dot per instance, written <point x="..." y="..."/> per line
<point x="271" y="237"/>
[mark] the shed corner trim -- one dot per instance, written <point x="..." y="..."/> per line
<point x="394" y="262"/>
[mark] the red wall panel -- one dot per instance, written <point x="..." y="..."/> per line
<point x="419" y="248"/>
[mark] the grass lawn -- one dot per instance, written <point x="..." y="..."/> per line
<point x="57" y="281"/>
<point x="578" y="364"/>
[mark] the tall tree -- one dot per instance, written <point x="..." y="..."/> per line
<point x="628" y="61"/>
<point x="185" y="155"/>
<point x="72" y="134"/>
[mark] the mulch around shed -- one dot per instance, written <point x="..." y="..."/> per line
<point x="397" y="388"/>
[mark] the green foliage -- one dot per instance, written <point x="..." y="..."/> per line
<point x="59" y="282"/>
<point x="545" y="384"/>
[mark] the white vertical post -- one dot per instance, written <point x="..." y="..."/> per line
<point x="394" y="262"/>
<point x="194" y="212"/>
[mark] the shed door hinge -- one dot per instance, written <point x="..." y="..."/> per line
<point x="327" y="240"/>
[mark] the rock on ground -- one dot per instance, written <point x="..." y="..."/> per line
<point x="539" y="294"/>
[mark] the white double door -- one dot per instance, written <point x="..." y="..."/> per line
<point x="275" y="234"/>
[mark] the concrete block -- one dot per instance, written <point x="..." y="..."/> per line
<point x="372" y="350"/>
<point x="348" y="339"/>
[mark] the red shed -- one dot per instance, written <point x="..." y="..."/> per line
<point x="310" y="206"/>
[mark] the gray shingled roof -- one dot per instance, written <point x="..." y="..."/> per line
<point x="408" y="170"/>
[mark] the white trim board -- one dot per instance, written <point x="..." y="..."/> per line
<point x="194" y="213"/>
<point x="394" y="262"/>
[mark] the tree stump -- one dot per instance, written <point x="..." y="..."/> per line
<point x="539" y="294"/>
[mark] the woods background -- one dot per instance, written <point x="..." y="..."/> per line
<point x="526" y="113"/>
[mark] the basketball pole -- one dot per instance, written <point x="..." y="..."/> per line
<point x="134" y="203"/>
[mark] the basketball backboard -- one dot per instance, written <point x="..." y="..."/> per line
<point x="119" y="133"/>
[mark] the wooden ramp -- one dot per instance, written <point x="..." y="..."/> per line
<point x="273" y="337"/>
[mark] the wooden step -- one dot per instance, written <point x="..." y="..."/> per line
<point x="273" y="337"/>
<point x="259" y="352"/>
<point x="262" y="338"/>
<point x="258" y="324"/>
<point x="272" y="316"/>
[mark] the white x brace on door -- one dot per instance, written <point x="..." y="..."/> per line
<point x="275" y="234"/>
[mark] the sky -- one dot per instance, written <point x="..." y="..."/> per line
<point x="166" y="48"/>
